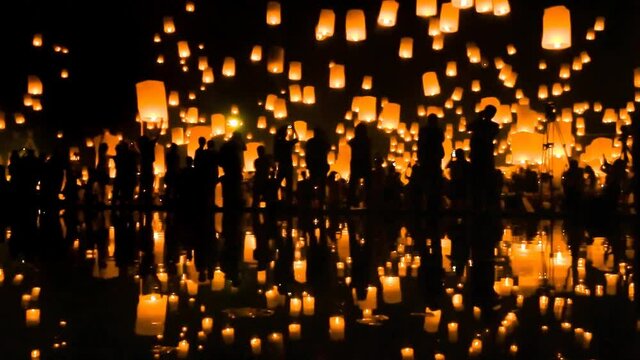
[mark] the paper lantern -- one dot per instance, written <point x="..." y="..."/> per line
<point x="565" y="71"/>
<point x="301" y="129"/>
<point x="27" y="100"/>
<point x="484" y="6"/>
<point x="599" y="24"/>
<point x="336" y="76"/>
<point x="326" y="24"/>
<point x="576" y="65"/>
<point x="207" y="76"/>
<point x="473" y="53"/>
<point x="295" y="93"/>
<point x="36" y="105"/>
<point x="64" y="74"/>
<point x="452" y="69"/>
<point x="610" y="116"/>
<point x="174" y="98"/>
<point x="34" y="85"/>
<point x="636" y="77"/>
<point x="449" y="18"/>
<point x="218" y="124"/>
<point x="273" y="13"/>
<point x="426" y="8"/>
<point x="19" y="118"/>
<point x="556" y="28"/>
<point x="456" y="95"/>
<point x="591" y="35"/>
<point x="275" y="60"/>
<point x="511" y="49"/>
<point x="309" y="95"/>
<point x="3" y="122"/>
<point x="462" y="4"/>
<point x="192" y="115"/>
<point x="501" y="7"/>
<point x="177" y="135"/>
<point x="183" y="49"/>
<point x="256" y="53"/>
<point x="367" y="108"/>
<point x="434" y="27"/>
<point x="190" y="7"/>
<point x="504" y="72"/>
<point x="356" y="29"/>
<point x="169" y="26"/>
<point x="229" y="67"/>
<point x="406" y="48"/>
<point x="430" y="84"/>
<point x="280" y="108"/>
<point x="556" y="89"/>
<point x="388" y="13"/>
<point x="499" y="63"/>
<point x="510" y="80"/>
<point x="543" y="92"/>
<point x="526" y="147"/>
<point x="438" y="42"/>
<point x="151" y="315"/>
<point x="37" y="40"/>
<point x="295" y="70"/>
<point x="475" y="85"/>
<point x="390" y="116"/>
<point x="152" y="101"/>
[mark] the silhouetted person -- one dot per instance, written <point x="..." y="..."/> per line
<point x="284" y="142"/>
<point x="231" y="160"/>
<point x="172" y="169"/>
<point x="430" y="155"/>
<point x="591" y="181"/>
<point x="101" y="173"/>
<point x="200" y="157"/>
<point x="316" y="151"/>
<point x="262" y="165"/>
<point x="304" y="192"/>
<point x="360" y="164"/>
<point x="212" y="162"/>
<point x="460" y="181"/>
<point x="483" y="133"/>
<point x="125" y="180"/>
<point x="392" y="193"/>
<point x="53" y="173"/>
<point x="147" y="149"/>
<point x="573" y="187"/>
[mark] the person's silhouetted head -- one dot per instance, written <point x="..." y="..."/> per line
<point x="432" y="120"/>
<point x="173" y="147"/>
<point x="361" y="130"/>
<point x="319" y="133"/>
<point x="489" y="112"/>
<point x="236" y="136"/>
<point x="211" y="145"/>
<point x="459" y="154"/>
<point x="202" y="141"/>
<point x="261" y="150"/>
<point x="573" y="164"/>
<point x="103" y="148"/>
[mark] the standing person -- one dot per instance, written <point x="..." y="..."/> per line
<point x="212" y="171"/>
<point x="360" y="162"/>
<point x="316" y="151"/>
<point x="460" y="183"/>
<point x="172" y="163"/>
<point x="483" y="133"/>
<point x="286" y="139"/>
<point x="231" y="160"/>
<point x="262" y="164"/>
<point x="430" y="155"/>
<point x="101" y="172"/>
<point x="573" y="188"/>
<point x="147" y="151"/>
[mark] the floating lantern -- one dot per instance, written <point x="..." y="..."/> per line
<point x="336" y="76"/>
<point x="295" y="93"/>
<point x="426" y="8"/>
<point x="388" y="13"/>
<point x="449" y="18"/>
<point x="169" y="26"/>
<point x="462" y="4"/>
<point x="183" y="49"/>
<point x="565" y="71"/>
<point x="34" y="85"/>
<point x="152" y="101"/>
<point x="190" y="7"/>
<point x="452" y="69"/>
<point x="275" y="60"/>
<point x="390" y="116"/>
<point x="273" y="13"/>
<point x="406" y="48"/>
<point x="556" y="28"/>
<point x="367" y="108"/>
<point x="473" y="53"/>
<point x="151" y="314"/>
<point x="207" y="76"/>
<point x="256" y="53"/>
<point x="511" y="49"/>
<point x="438" y="42"/>
<point x="308" y="95"/>
<point x="636" y="77"/>
<point x="37" y="40"/>
<point x="295" y="70"/>
<point x="356" y="29"/>
<point x="174" y="98"/>
<point x="599" y="24"/>
<point x="430" y="84"/>
<point x="280" y="108"/>
<point x="501" y="7"/>
<point x="326" y="24"/>
<point x="475" y="86"/>
<point x="218" y="124"/>
<point x="191" y="116"/>
<point x="484" y="6"/>
<point x="229" y="67"/>
<point x="434" y="27"/>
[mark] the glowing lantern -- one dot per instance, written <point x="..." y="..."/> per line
<point x="295" y="93"/>
<point x="462" y="4"/>
<point x="262" y="122"/>
<point x="192" y="115"/>
<point x="367" y="82"/>
<point x="207" y="76"/>
<point x="636" y="77"/>
<point x="511" y="79"/>
<point x="37" y="105"/>
<point x="449" y="18"/>
<point x="426" y="8"/>
<point x="152" y="101"/>
<point x="475" y="86"/>
<point x="501" y="7"/>
<point x="308" y="95"/>
<point x="430" y="84"/>
<point x="151" y="314"/>
<point x="390" y="116"/>
<point x="190" y="6"/>
<point x="584" y="57"/>
<point x="275" y="60"/>
<point x="576" y="65"/>
<point x="301" y="129"/>
<point x="452" y="69"/>
<point x="599" y="25"/>
<point x="280" y="108"/>
<point x="27" y="100"/>
<point x="64" y="74"/>
<point x="37" y="40"/>
<point x="438" y="42"/>
<point x="556" y="89"/>
<point x="526" y="147"/>
<point x="295" y="70"/>
<point x="406" y="48"/>
<point x="356" y="29"/>
<point x="511" y="49"/>
<point x="273" y="13"/>
<point x="183" y="49"/>
<point x="499" y="63"/>
<point x="367" y="108"/>
<point x="610" y="116"/>
<point x="591" y="34"/>
<point x="169" y="26"/>
<point x="434" y="27"/>
<point x="34" y="85"/>
<point x="218" y="124"/>
<point x="556" y="28"/>
<point x="174" y="98"/>
<point x="565" y="71"/>
<point x="177" y="136"/>
<point x="256" y="53"/>
<point x="326" y="24"/>
<point x="19" y="118"/>
<point x="336" y="76"/>
<point x="484" y="6"/>
<point x="473" y="53"/>
<point x="388" y="13"/>
<point x="543" y="92"/>
<point x="229" y="67"/>
<point x="457" y="94"/>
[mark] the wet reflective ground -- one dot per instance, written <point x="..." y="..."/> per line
<point x="132" y="285"/>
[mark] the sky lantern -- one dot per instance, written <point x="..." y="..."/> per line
<point x="484" y="6"/>
<point x="501" y="7"/>
<point x="526" y="147"/>
<point x="367" y="82"/>
<point x="462" y="4"/>
<point x="203" y="63"/>
<point x="275" y="60"/>
<point x="295" y="93"/>
<point x="475" y="86"/>
<point x="207" y="76"/>
<point x="262" y="122"/>
<point x="229" y="67"/>
<point x="34" y="85"/>
<point x="434" y="26"/>
<point x="556" y="28"/>
<point x="37" y="40"/>
<point x="218" y="124"/>
<point x="388" y="13"/>
<point x="543" y="92"/>
<point x="430" y="84"/>
<point x="19" y="118"/>
<point x="511" y="49"/>
<point x="280" y="108"/>
<point x="449" y="18"/>
<point x="584" y="57"/>
<point x="256" y="53"/>
<point x="456" y="95"/>
<point x="367" y="108"/>
<point x="183" y="49"/>
<point x="438" y="42"/>
<point x="273" y="13"/>
<point x="336" y="76"/>
<point x="406" y="48"/>
<point x="565" y="71"/>
<point x="326" y="24"/>
<point x="610" y="116"/>
<point x="390" y="116"/>
<point x="308" y="95"/>
<point x="168" y="25"/>
<point x="426" y="8"/>
<point x="174" y="98"/>
<point x="301" y="129"/>
<point x="556" y="89"/>
<point x="190" y="7"/>
<point x="452" y="69"/>
<point x="599" y="24"/>
<point x="295" y="70"/>
<point x="152" y="101"/>
<point x="191" y="116"/>
<point x="356" y="28"/>
<point x="498" y="62"/>
<point x="473" y="53"/>
<point x="636" y="77"/>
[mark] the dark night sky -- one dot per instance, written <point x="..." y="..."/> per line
<point x="111" y="49"/>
